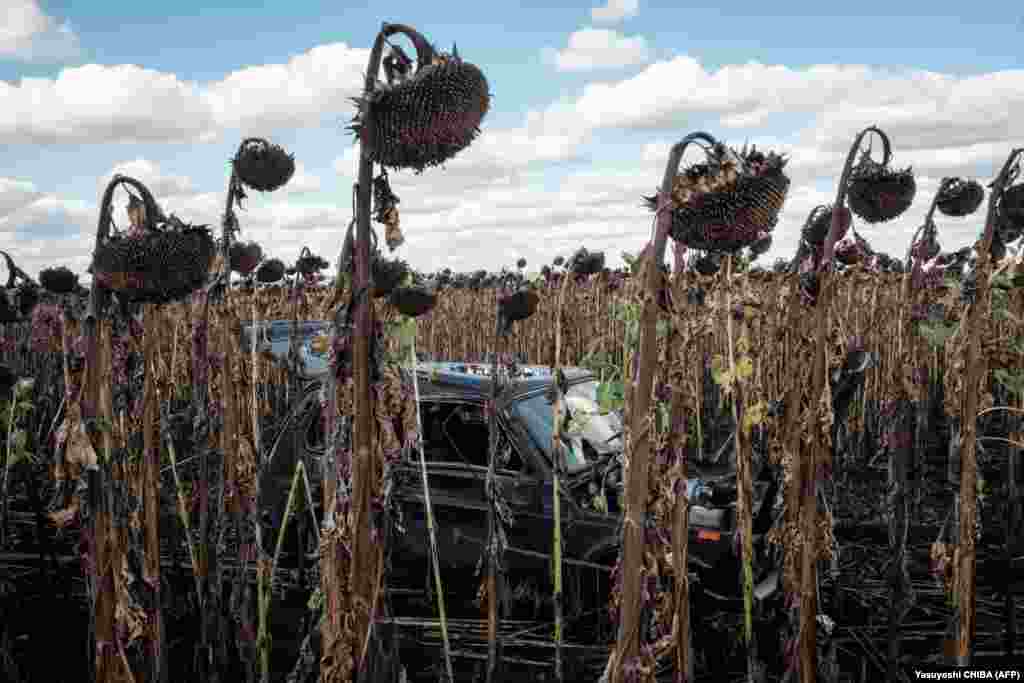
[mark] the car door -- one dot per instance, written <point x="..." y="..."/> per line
<point x="581" y="530"/>
<point x="521" y="484"/>
<point x="455" y="476"/>
<point x="526" y="487"/>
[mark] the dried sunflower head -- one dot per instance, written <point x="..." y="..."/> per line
<point x="707" y="265"/>
<point x="519" y="305"/>
<point x="427" y="118"/>
<point x="58" y="280"/>
<point x="960" y="197"/>
<point x="819" y="222"/>
<point x="270" y="271"/>
<point x="244" y="257"/>
<point x="585" y="262"/>
<point x="310" y="264"/>
<point x="413" y="301"/>
<point x="728" y="202"/>
<point x="877" y="193"/>
<point x="157" y="266"/>
<point x="387" y="275"/>
<point x="1011" y="207"/>
<point x="263" y="166"/>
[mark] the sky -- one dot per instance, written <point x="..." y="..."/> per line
<point x="587" y="99"/>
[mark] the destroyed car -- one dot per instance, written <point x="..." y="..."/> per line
<point x="453" y="399"/>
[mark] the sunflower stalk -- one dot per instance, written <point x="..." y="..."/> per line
<point x="817" y="450"/>
<point x="362" y="570"/>
<point x="334" y="647"/>
<point x="744" y="485"/>
<point x="929" y="219"/>
<point x="638" y="443"/>
<point x="431" y="533"/>
<point x="183" y="514"/>
<point x="975" y="370"/>
<point x="8" y="460"/>
<point x="297" y="292"/>
<point x="558" y="456"/>
<point x="493" y="561"/>
<point x="104" y="662"/>
<point x="681" y="517"/>
<point x="1013" y="510"/>
<point x="151" y="490"/>
<point x="241" y="598"/>
<point x="209" y="653"/>
<point x="899" y="530"/>
<point x="266" y="582"/>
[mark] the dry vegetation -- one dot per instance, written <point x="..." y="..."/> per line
<point x="145" y="434"/>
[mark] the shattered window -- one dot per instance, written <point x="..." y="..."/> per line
<point x="590" y="432"/>
<point x="458" y="433"/>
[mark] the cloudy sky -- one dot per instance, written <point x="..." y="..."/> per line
<point x="587" y="98"/>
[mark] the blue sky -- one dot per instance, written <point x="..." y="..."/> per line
<point x="585" y="104"/>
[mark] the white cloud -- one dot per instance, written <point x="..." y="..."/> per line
<point x="498" y="158"/>
<point x="302" y="181"/>
<point x="513" y="192"/>
<point x="50" y="231"/>
<point x="315" y="84"/>
<point x="925" y="109"/>
<point x="614" y="11"/>
<point x="594" y="48"/>
<point x="149" y="174"/>
<point x="127" y="103"/>
<point x="488" y="227"/>
<point x="96" y="104"/>
<point x="27" y="33"/>
<point x="15" y="195"/>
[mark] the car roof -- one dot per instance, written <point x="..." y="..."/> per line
<point x="473" y="380"/>
<point x="465" y="380"/>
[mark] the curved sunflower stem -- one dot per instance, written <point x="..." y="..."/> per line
<point x="363" y="571"/>
<point x="965" y="570"/>
<point x="365" y="557"/>
<point x="229" y="226"/>
<point x="220" y="289"/>
<point x="844" y="181"/>
<point x="929" y="219"/>
<point x="103" y="618"/>
<point x="14" y="272"/>
<point x="638" y="443"/>
<point x="818" y="448"/>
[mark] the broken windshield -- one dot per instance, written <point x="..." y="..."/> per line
<point x="590" y="433"/>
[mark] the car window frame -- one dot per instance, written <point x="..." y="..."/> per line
<point x="528" y="468"/>
<point x="542" y="455"/>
